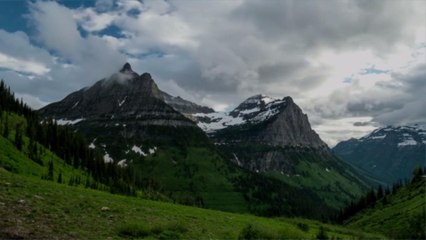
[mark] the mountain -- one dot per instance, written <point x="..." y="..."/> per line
<point x="46" y="171"/>
<point x="388" y="153"/>
<point x="273" y="137"/>
<point x="127" y="118"/>
<point x="279" y="122"/>
<point x="124" y="95"/>
<point x="183" y="106"/>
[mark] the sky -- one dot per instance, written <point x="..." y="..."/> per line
<point x="351" y="65"/>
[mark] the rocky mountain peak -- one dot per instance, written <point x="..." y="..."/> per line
<point x="126" y="68"/>
<point x="183" y="106"/>
<point x="146" y="76"/>
<point x="265" y="120"/>
<point x="123" y="93"/>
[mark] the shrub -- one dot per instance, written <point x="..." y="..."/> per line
<point x="253" y="232"/>
<point x="322" y="235"/>
<point x="303" y="226"/>
<point x="133" y="230"/>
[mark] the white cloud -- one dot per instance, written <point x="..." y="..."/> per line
<point x="333" y="131"/>
<point x="20" y="65"/>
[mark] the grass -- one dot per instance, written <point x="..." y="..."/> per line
<point x="197" y="172"/>
<point x="17" y="161"/>
<point x="33" y="208"/>
<point x="330" y="185"/>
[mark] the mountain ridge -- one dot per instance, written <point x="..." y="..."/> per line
<point x="389" y="153"/>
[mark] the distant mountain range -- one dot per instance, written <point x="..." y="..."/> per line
<point x="262" y="157"/>
<point x="389" y="153"/>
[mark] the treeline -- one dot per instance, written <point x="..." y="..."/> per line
<point x="374" y="196"/>
<point x="65" y="143"/>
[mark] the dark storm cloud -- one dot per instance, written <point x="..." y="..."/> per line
<point x="332" y="23"/>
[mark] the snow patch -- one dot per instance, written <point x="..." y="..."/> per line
<point x="107" y="158"/>
<point x="407" y="142"/>
<point x="120" y="103"/>
<point x="152" y="150"/>
<point x="327" y="170"/>
<point x="217" y="121"/>
<point x="236" y="159"/>
<point x="265" y="115"/>
<point x="122" y="163"/>
<point x="378" y="137"/>
<point x="63" y="122"/>
<point x="92" y="146"/>
<point x="137" y="150"/>
<point x="76" y="104"/>
<point x="267" y="99"/>
<point x="244" y="112"/>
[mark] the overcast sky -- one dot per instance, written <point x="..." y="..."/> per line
<point x="351" y="65"/>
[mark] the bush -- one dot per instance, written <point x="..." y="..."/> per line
<point x="250" y="232"/>
<point x="253" y="232"/>
<point x="133" y="230"/>
<point x="303" y="226"/>
<point x="162" y="231"/>
<point x="322" y="235"/>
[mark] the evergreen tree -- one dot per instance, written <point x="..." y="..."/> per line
<point x="18" y="137"/>
<point x="60" y="177"/>
<point x="50" y="171"/>
<point x="6" y="127"/>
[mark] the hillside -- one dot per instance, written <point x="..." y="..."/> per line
<point x="18" y="162"/>
<point x="402" y="215"/>
<point x="32" y="208"/>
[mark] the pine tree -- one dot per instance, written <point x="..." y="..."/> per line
<point x="18" y="137"/>
<point x="60" y="177"/>
<point x="6" y="127"/>
<point x="50" y="171"/>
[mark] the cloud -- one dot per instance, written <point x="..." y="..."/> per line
<point x="339" y="59"/>
<point x="20" y="65"/>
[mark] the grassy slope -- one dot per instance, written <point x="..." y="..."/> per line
<point x="399" y="216"/>
<point x="198" y="171"/>
<point x="323" y="174"/>
<point x="328" y="183"/>
<point x="34" y="208"/>
<point x="18" y="162"/>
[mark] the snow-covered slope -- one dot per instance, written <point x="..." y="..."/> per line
<point x="253" y="110"/>
<point x="402" y="136"/>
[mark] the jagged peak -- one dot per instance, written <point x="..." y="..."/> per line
<point x="126" y="68"/>
<point x="288" y="99"/>
<point x="258" y="98"/>
<point x="146" y="75"/>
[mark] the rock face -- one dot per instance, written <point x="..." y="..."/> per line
<point x="264" y="134"/>
<point x="290" y="127"/>
<point x="183" y="106"/>
<point x="389" y="154"/>
<point x="264" y="120"/>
